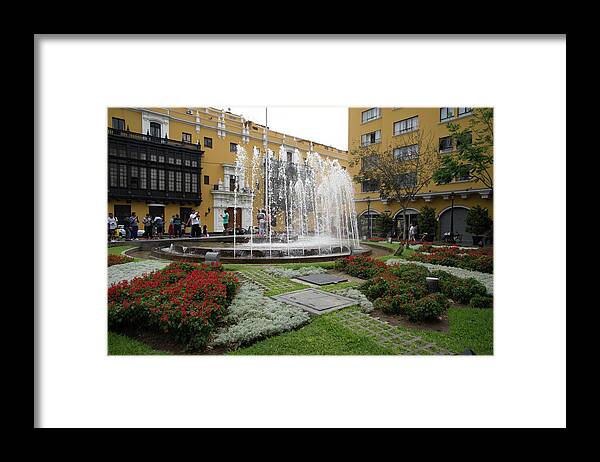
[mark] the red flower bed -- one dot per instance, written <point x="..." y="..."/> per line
<point x="360" y="267"/>
<point x="375" y="239"/>
<point x="479" y="259"/>
<point x="183" y="299"/>
<point x="118" y="259"/>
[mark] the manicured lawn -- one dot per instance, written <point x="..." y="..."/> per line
<point x="121" y="345"/>
<point x="323" y="336"/>
<point x="117" y="250"/>
<point x="469" y="328"/>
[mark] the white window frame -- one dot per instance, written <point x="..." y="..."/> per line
<point x="377" y="115"/>
<point x="414" y="125"/>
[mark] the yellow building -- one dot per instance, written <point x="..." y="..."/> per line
<point x="385" y="127"/>
<point x="169" y="161"/>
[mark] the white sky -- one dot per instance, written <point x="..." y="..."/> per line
<point x="322" y="124"/>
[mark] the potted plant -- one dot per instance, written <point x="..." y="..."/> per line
<point x="478" y="223"/>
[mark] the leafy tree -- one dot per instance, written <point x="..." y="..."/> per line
<point x="474" y="150"/>
<point x="478" y="221"/>
<point x="386" y="222"/>
<point x="401" y="169"/>
<point x="426" y="220"/>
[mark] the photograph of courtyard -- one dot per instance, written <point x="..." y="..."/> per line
<point x="228" y="237"/>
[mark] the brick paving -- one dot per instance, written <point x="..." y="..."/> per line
<point x="386" y="335"/>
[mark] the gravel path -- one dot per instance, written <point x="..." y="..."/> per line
<point x="485" y="278"/>
<point x="117" y="273"/>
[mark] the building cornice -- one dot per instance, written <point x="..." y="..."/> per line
<point x="484" y="193"/>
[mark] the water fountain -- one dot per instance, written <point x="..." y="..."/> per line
<point x="309" y="203"/>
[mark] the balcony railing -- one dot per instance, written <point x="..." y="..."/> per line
<point x="152" y="139"/>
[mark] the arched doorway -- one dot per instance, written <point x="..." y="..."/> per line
<point x="368" y="224"/>
<point x="460" y="218"/>
<point x="412" y="216"/>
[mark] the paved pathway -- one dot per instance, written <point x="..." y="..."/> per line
<point x="386" y="335"/>
<point x="128" y="271"/>
<point x="485" y="278"/>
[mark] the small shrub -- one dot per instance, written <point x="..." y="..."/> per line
<point x="118" y="259"/>
<point x="396" y="304"/>
<point x="481" y="301"/>
<point x="458" y="289"/>
<point x="428" y="308"/>
<point x="415" y="274"/>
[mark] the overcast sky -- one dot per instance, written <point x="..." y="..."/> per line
<point x="322" y="124"/>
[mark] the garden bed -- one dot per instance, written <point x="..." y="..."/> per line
<point x="182" y="301"/>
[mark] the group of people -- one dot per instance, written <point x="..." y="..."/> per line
<point x="154" y="227"/>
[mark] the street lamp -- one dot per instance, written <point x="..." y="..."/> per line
<point x="369" y="215"/>
<point x="452" y="217"/>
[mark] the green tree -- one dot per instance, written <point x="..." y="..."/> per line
<point x="478" y="221"/>
<point x="474" y="150"/>
<point x="426" y="220"/>
<point x="401" y="169"/>
<point x="386" y="222"/>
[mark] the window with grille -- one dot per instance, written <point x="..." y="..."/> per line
<point x="464" y="110"/>
<point x="113" y="175"/>
<point x="153" y="179"/>
<point x="406" y="152"/>
<point x="171" y="181"/>
<point x="206" y="179"/>
<point x="371" y="138"/>
<point x="207" y="142"/>
<point x="178" y="176"/>
<point x="446" y="113"/>
<point x="369" y="186"/>
<point x="446" y="144"/>
<point x="406" y="125"/>
<point x="143" y="178"/>
<point x="135" y="183"/>
<point x="194" y="183"/>
<point x="407" y="180"/>
<point x="370" y="114"/>
<point x="161" y="180"/>
<point x="118" y="124"/>
<point x="155" y="129"/>
<point x="122" y="176"/>
<point x="186" y="137"/>
<point x="187" y="183"/>
<point x="233" y="147"/>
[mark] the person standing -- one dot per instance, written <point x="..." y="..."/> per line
<point x="133" y="225"/>
<point x="147" y="222"/>
<point x="171" y="226"/>
<point x="205" y="231"/>
<point x="194" y="221"/>
<point x="260" y="217"/>
<point x="225" y="218"/>
<point x="112" y="226"/>
<point x="177" y="226"/>
<point x="412" y="232"/>
<point x="159" y="224"/>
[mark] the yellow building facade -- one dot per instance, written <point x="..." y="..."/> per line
<point x="201" y="136"/>
<point x="385" y="127"/>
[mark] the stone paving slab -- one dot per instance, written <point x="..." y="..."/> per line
<point x="322" y="279"/>
<point x="316" y="301"/>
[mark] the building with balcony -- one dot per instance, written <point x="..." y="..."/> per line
<point x="384" y="128"/>
<point x="173" y="160"/>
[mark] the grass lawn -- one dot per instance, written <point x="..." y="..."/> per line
<point x="117" y="250"/>
<point x="469" y="328"/>
<point x="121" y="345"/>
<point x="323" y="336"/>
